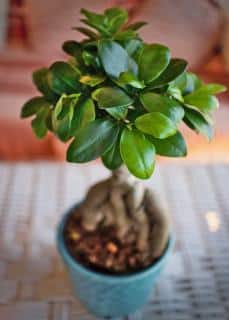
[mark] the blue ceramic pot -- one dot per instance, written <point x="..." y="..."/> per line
<point x="110" y="295"/>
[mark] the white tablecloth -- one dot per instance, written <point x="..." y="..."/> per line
<point x="33" y="284"/>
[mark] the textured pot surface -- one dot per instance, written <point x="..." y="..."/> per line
<point x="110" y="295"/>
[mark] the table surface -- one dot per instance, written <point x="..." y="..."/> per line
<point x="33" y="283"/>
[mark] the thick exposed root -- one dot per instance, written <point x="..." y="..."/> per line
<point x="134" y="199"/>
<point x="135" y="212"/>
<point x="142" y="242"/>
<point x="122" y="221"/>
<point x="96" y="197"/>
<point x="161" y="224"/>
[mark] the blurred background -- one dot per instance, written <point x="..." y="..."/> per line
<point x="31" y="34"/>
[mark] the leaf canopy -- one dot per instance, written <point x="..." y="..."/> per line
<point x="120" y="98"/>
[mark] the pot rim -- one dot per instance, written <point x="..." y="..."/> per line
<point x="76" y="266"/>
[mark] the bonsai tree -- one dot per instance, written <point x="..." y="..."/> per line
<point x="122" y="100"/>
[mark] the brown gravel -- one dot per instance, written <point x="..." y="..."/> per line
<point x="100" y="250"/>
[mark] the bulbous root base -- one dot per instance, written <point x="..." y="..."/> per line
<point x="136" y="214"/>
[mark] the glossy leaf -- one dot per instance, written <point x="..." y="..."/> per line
<point x="40" y="79"/>
<point x="192" y="83"/>
<point x="64" y="104"/>
<point x="153" y="60"/>
<point x="92" y="141"/>
<point x="91" y="59"/>
<point x="92" y="80"/>
<point x="62" y="127"/>
<point x="128" y="78"/>
<point x="39" y="125"/>
<point x="62" y="116"/>
<point x="84" y="113"/>
<point x="206" y="116"/>
<point x="136" y="25"/>
<point x="87" y="32"/>
<point x="179" y="83"/>
<point x="138" y="153"/>
<point x="175" y="93"/>
<point x="64" y="78"/>
<point x="32" y="106"/>
<point x="125" y="35"/>
<point x="112" y="157"/>
<point x="206" y="103"/>
<point x="199" y="124"/>
<point x="156" y="124"/>
<point x="71" y="47"/>
<point x="132" y="46"/>
<point x="110" y="97"/>
<point x="173" y="146"/>
<point x="115" y="18"/>
<point x="168" y="106"/>
<point x="175" y="68"/>
<point x="211" y="89"/>
<point x="115" y="59"/>
<point x="95" y="20"/>
<point x="118" y="113"/>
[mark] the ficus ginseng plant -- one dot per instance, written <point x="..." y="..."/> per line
<point x="120" y="98"/>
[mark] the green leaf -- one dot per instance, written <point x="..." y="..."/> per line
<point x="64" y="104"/>
<point x="72" y="48"/>
<point x="192" y="83"/>
<point x="39" y="125"/>
<point x="200" y="125"/>
<point x="91" y="59"/>
<point x="154" y="102"/>
<point x="92" y="80"/>
<point x="115" y="18"/>
<point x="136" y="25"/>
<point x="92" y="16"/>
<point x="138" y="153"/>
<point x="206" y="103"/>
<point x="95" y="20"/>
<point x="211" y="89"/>
<point x="175" y="93"/>
<point x="132" y="46"/>
<point x="173" y="146"/>
<point x="62" y="127"/>
<point x="179" y="83"/>
<point x="87" y="32"/>
<point x="40" y="79"/>
<point x="33" y="106"/>
<point x="62" y="116"/>
<point x="92" y="141"/>
<point x="99" y="27"/>
<point x="84" y="113"/>
<point x="112" y="157"/>
<point x="64" y="78"/>
<point x="118" y="113"/>
<point x="109" y="97"/>
<point x="115" y="59"/>
<point x="206" y="116"/>
<point x="175" y="68"/>
<point x="153" y="60"/>
<point x="156" y="124"/>
<point x="130" y="79"/>
<point x="125" y="35"/>
<point x="49" y="121"/>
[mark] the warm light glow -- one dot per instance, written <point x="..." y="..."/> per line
<point x="213" y="221"/>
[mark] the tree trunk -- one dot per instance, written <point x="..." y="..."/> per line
<point x="122" y="201"/>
